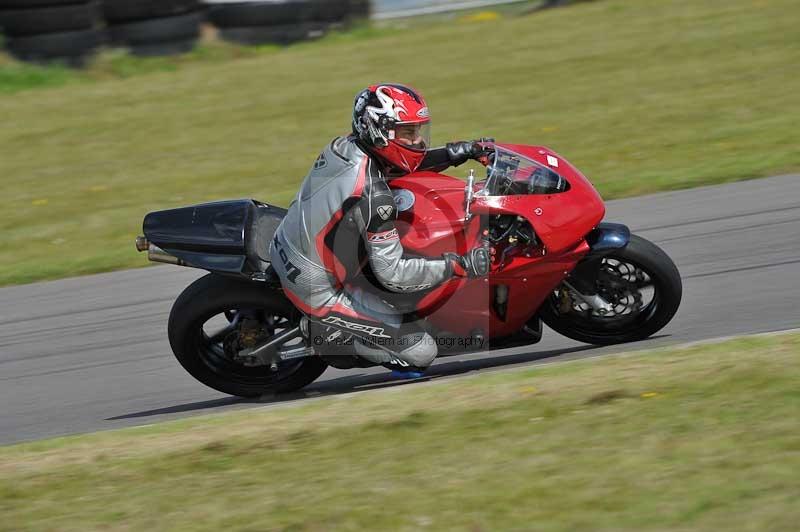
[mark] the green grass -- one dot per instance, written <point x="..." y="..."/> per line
<point x="643" y="96"/>
<point x="698" y="438"/>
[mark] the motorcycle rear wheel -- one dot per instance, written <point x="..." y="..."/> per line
<point x="215" y="297"/>
<point x="649" y="267"/>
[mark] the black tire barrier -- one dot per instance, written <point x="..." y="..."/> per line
<point x="23" y="4"/>
<point x="65" y="30"/>
<point x="359" y="9"/>
<point x="72" y="47"/>
<point x="51" y="19"/>
<point x="256" y="35"/>
<point x="250" y="14"/>
<point x="330" y="11"/>
<point x="120" y="11"/>
<point x="158" y="30"/>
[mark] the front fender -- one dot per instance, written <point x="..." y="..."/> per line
<point x="602" y="240"/>
<point x="605" y="238"/>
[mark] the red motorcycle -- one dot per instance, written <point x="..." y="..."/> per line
<point x="553" y="261"/>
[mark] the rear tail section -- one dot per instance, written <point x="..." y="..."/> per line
<point x="229" y="237"/>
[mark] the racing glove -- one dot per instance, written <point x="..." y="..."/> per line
<point x="475" y="263"/>
<point x="461" y="152"/>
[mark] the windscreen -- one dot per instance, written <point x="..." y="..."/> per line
<point x="510" y="173"/>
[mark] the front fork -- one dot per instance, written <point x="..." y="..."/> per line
<point x="582" y="281"/>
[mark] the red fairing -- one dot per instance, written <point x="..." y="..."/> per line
<point x="560" y="220"/>
<point x="431" y="212"/>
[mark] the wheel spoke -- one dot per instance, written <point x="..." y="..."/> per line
<point x="219" y="336"/>
<point x="233" y="318"/>
<point x="625" y="285"/>
<point x="231" y="362"/>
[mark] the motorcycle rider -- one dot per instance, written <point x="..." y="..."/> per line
<point x="343" y="203"/>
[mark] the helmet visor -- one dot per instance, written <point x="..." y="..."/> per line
<point x="412" y="135"/>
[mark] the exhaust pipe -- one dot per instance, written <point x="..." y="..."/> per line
<point x="155" y="253"/>
<point x="142" y="244"/>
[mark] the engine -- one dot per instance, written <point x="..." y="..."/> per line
<point x="510" y="235"/>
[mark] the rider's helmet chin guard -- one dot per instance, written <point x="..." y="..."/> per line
<point x="393" y="122"/>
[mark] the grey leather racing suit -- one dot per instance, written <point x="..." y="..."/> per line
<point x="343" y="203"/>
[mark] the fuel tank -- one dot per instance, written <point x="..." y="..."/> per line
<point x="430" y="217"/>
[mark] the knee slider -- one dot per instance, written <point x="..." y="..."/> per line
<point x="419" y="349"/>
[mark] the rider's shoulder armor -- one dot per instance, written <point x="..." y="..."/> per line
<point x="341" y="158"/>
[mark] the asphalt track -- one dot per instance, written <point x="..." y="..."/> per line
<point x="91" y="353"/>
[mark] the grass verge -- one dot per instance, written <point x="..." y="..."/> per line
<point x="643" y="96"/>
<point x="697" y="438"/>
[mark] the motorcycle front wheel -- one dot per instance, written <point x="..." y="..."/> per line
<point x="208" y="322"/>
<point x="640" y="283"/>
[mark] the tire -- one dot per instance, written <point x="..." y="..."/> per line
<point x="209" y="296"/>
<point x="651" y="318"/>
<point x="358" y="9"/>
<point x="23" y="4"/>
<point x="21" y="22"/>
<point x="120" y="11"/>
<point x="255" y="35"/>
<point x="248" y="14"/>
<point x="330" y="11"/>
<point x="55" y="46"/>
<point x="158" y="30"/>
